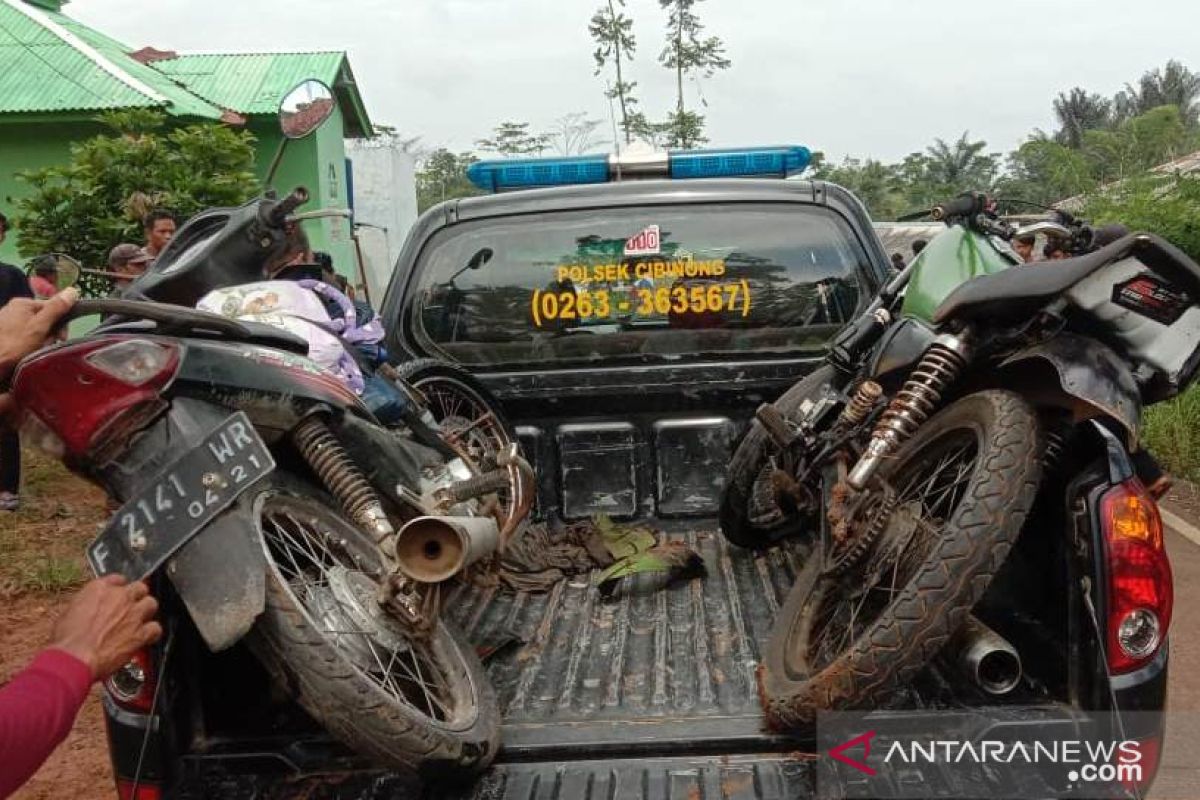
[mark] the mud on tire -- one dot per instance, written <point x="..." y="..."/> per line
<point x="334" y="689"/>
<point x="961" y="561"/>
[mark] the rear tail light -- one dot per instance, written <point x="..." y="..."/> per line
<point x="1150" y="758"/>
<point x="80" y="391"/>
<point x="132" y="687"/>
<point x="1141" y="593"/>
<point x="144" y="791"/>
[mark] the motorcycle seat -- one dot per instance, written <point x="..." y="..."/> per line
<point x="253" y="333"/>
<point x="1022" y="290"/>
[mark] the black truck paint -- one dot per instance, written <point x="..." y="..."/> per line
<point x="652" y="695"/>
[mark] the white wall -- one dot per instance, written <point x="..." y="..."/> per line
<point x="385" y="207"/>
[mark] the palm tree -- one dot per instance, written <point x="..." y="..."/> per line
<point x="1173" y="85"/>
<point x="960" y="166"/>
<point x="1079" y="111"/>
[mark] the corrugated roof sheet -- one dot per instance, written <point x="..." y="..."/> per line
<point x="250" y="83"/>
<point x="43" y="71"/>
<point x="254" y="83"/>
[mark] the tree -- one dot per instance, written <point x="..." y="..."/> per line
<point x="871" y="181"/>
<point x="1138" y="144"/>
<point x="1045" y="171"/>
<point x="575" y="134"/>
<point x="960" y="166"/>
<point x="684" y="130"/>
<point x="443" y="176"/>
<point x="656" y="134"/>
<point x="97" y="199"/>
<point x="612" y="31"/>
<point x="514" y="139"/>
<point x="1172" y="85"/>
<point x="1079" y="111"/>
<point x="688" y="53"/>
<point x="389" y="137"/>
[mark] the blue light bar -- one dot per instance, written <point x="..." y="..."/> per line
<point x="745" y="162"/>
<point x="529" y="173"/>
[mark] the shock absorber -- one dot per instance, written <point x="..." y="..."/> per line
<point x="864" y="399"/>
<point x="325" y="454"/>
<point x="912" y="405"/>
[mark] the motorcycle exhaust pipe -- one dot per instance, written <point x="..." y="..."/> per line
<point x="434" y="549"/>
<point x="986" y="657"/>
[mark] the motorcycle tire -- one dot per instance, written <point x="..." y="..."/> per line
<point x="749" y="515"/>
<point x="448" y="388"/>
<point x="319" y="636"/>
<point x="959" y="535"/>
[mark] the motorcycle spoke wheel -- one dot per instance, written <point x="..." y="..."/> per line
<point x="466" y="421"/>
<point x="334" y="587"/>
<point x="929" y="487"/>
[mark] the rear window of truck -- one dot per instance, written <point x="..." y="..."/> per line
<point x="638" y="284"/>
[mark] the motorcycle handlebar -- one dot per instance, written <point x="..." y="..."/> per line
<point x="279" y="214"/>
<point x="961" y="206"/>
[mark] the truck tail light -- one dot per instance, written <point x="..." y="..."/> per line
<point x="80" y="392"/>
<point x="144" y="791"/>
<point x="132" y="687"/>
<point x="1141" y="592"/>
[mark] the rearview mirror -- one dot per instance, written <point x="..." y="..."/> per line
<point x="305" y="108"/>
<point x="480" y="258"/>
<point x="49" y="274"/>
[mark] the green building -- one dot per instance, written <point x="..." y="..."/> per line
<point x="56" y="75"/>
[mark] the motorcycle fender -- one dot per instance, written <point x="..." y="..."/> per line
<point x="221" y="576"/>
<point x="1093" y="379"/>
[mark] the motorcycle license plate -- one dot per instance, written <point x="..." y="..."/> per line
<point x="167" y="512"/>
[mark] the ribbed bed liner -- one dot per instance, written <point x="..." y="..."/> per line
<point x="673" y="668"/>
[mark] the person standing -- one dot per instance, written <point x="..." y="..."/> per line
<point x="159" y="228"/>
<point x="129" y="261"/>
<point x="1022" y="245"/>
<point x="13" y="284"/>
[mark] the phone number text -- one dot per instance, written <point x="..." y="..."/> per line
<point x="600" y="304"/>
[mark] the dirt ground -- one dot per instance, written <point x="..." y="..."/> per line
<point x="41" y="560"/>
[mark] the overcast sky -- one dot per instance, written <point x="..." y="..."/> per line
<point x="860" y="77"/>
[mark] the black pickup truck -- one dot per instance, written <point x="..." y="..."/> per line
<point x="631" y="408"/>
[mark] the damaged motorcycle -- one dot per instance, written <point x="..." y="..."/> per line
<point x="261" y="495"/>
<point x="911" y="457"/>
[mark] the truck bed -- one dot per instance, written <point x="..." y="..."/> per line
<point x="646" y="683"/>
<point x="673" y="667"/>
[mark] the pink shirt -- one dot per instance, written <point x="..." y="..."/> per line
<point x="37" y="709"/>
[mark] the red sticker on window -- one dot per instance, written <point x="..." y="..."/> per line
<point x="646" y="243"/>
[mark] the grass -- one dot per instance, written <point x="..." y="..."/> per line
<point x="1172" y="432"/>
<point x="42" y="545"/>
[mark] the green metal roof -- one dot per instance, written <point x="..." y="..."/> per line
<point x="254" y="83"/>
<point x="51" y="63"/>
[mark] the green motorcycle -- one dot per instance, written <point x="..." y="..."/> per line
<point x="911" y="458"/>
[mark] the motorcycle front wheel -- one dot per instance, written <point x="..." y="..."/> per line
<point x="857" y="627"/>
<point x="419" y="705"/>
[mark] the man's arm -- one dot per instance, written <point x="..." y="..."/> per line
<point x="107" y="622"/>
<point x="37" y="709"/>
